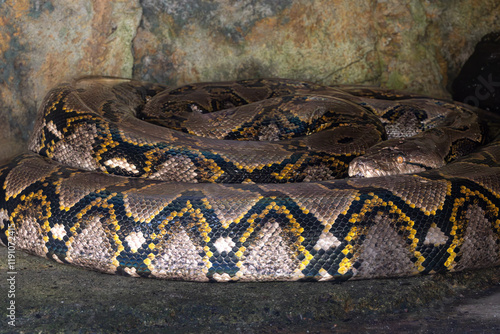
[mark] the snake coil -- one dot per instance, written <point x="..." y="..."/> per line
<point x="204" y="199"/>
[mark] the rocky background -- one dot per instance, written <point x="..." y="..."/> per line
<point x="418" y="45"/>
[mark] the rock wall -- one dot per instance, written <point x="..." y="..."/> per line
<point x="417" y="45"/>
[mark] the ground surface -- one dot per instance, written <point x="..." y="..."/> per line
<point x="55" y="298"/>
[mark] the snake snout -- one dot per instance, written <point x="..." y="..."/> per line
<point x="365" y="167"/>
<point x="384" y="162"/>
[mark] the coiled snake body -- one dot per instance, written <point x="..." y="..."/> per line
<point x="181" y="206"/>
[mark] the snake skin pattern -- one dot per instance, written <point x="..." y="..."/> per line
<point x="103" y="190"/>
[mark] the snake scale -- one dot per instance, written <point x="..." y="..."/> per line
<point x="248" y="181"/>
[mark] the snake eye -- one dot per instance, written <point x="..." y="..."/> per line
<point x="400" y="159"/>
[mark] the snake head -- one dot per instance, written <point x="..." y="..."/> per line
<point x="395" y="156"/>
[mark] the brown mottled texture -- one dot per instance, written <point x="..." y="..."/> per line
<point x="410" y="44"/>
<point x="415" y="44"/>
<point x="45" y="42"/>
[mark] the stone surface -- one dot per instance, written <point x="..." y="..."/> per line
<point x="399" y="44"/>
<point x="43" y="43"/>
<point x="417" y="45"/>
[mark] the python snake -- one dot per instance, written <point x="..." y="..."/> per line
<point x="205" y="200"/>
